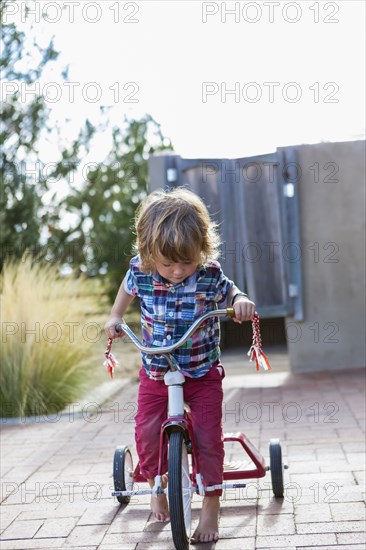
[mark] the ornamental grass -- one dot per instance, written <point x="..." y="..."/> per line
<point x="48" y="338"/>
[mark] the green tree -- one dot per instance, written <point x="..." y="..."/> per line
<point x="100" y="243"/>
<point x="22" y="213"/>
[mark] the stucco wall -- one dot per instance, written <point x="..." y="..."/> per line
<point x="332" y="218"/>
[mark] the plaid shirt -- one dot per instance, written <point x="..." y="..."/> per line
<point x="168" y="310"/>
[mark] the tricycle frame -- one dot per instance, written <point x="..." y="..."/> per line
<point x="179" y="422"/>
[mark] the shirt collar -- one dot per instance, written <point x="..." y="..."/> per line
<point x="201" y="271"/>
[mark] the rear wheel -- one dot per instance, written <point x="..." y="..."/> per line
<point x="179" y="491"/>
<point x="276" y="467"/>
<point x="123" y="472"/>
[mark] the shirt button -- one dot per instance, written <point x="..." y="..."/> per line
<point x="172" y="289"/>
<point x="168" y="337"/>
<point x="171" y="314"/>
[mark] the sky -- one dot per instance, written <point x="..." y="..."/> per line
<point x="224" y="79"/>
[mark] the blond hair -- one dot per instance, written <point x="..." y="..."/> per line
<point x="177" y="226"/>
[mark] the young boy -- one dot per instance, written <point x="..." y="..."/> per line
<point x="177" y="278"/>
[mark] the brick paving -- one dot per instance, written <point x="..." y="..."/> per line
<point x="56" y="473"/>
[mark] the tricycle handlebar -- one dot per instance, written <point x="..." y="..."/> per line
<point x="229" y="312"/>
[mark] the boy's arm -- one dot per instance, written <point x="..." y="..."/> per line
<point x="119" y="307"/>
<point x="244" y="308"/>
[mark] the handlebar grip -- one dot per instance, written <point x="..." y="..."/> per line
<point x="118" y="328"/>
<point x="230" y="312"/>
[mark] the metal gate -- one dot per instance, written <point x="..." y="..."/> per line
<point x="255" y="202"/>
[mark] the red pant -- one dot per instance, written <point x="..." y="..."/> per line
<point x="204" y="396"/>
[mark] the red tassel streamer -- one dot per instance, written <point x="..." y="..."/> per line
<point x="256" y="353"/>
<point x="110" y="361"/>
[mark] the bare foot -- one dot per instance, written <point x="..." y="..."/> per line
<point x="208" y="526"/>
<point x="159" y="504"/>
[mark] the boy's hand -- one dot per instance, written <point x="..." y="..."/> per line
<point x="110" y="327"/>
<point x="244" y="309"/>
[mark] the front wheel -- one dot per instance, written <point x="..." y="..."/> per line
<point x="276" y="467"/>
<point x="179" y="491"/>
<point x="123" y="472"/>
